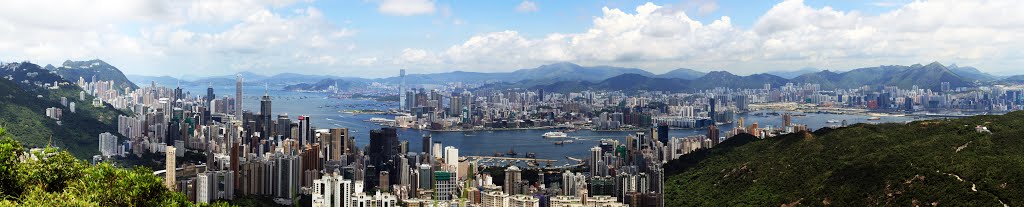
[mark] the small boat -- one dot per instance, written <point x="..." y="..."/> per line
<point x="512" y="152"/>
<point x="555" y="135"/>
<point x="874" y="118"/>
<point x="832" y="121"/>
<point x="559" y="143"/>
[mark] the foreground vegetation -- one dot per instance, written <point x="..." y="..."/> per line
<point x="50" y="177"/>
<point x="923" y="163"/>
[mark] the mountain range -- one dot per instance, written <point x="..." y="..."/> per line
<point x="923" y="76"/>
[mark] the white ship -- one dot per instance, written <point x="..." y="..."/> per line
<point x="555" y="135"/>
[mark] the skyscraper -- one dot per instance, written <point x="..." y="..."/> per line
<point x="513" y="177"/>
<point x="238" y="96"/>
<point x="265" y="115"/>
<point x="304" y="130"/>
<point x="662" y="133"/>
<point x="713" y="135"/>
<point x="427" y="140"/>
<point x="401" y="89"/>
<point x="595" y="160"/>
<point x="169" y="175"/>
<point x="383" y="146"/>
<point x="338" y="143"/>
<point x="711" y="111"/>
<point x="209" y="95"/>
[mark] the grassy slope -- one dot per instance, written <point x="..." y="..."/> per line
<point x="865" y="165"/>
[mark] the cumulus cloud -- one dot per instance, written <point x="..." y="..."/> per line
<point x="526" y="6"/>
<point x="789" y="35"/>
<point x="163" y="36"/>
<point x="407" y="7"/>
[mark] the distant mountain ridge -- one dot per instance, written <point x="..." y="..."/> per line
<point x="564" y="76"/>
<point x="73" y="70"/>
<point x="325" y="84"/>
<point x="923" y="76"/>
<point x="682" y="73"/>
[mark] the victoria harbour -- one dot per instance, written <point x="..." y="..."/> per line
<point x="328" y="112"/>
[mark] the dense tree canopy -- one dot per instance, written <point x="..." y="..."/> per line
<point x="51" y="177"/>
<point x="933" y="162"/>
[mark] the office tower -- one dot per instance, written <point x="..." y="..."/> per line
<point x="540" y="94"/>
<point x="436" y="151"/>
<point x="209" y="95"/>
<point x="304" y="130"/>
<point x="266" y="116"/>
<point x="662" y="133"/>
<point x="713" y="135"/>
<point x="169" y="167"/>
<point x="513" y="177"/>
<point x="238" y="95"/>
<point x="444" y="185"/>
<point x="427" y="140"/>
<point x="595" y="161"/>
<point x="451" y="159"/>
<point x="383" y="147"/>
<point x="284" y="126"/>
<point x="401" y="90"/>
<point x="426" y="177"/>
<point x="338" y="143"/>
<point x="711" y="111"/>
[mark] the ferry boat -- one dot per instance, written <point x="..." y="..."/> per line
<point x="555" y="135"/>
<point x="832" y="121"/>
<point x="874" y="118"/>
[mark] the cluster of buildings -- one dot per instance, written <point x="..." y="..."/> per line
<point x="214" y="150"/>
<point x="455" y="108"/>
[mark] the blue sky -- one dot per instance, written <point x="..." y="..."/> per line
<point x="375" y="38"/>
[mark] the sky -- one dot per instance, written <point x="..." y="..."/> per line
<point x="376" y="38"/>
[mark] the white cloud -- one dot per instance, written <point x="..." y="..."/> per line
<point x="160" y="37"/>
<point x="407" y="7"/>
<point x="789" y="35"/>
<point x="526" y="6"/>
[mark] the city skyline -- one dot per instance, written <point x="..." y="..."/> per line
<point x="517" y="103"/>
<point x="371" y="39"/>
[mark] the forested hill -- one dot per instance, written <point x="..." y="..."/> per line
<point x="23" y="111"/>
<point x="923" y="163"/>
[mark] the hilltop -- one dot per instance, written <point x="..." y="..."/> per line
<point x="934" y="162"/>
<point x="73" y="70"/>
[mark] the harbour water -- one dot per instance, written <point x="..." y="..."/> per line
<point x="326" y="113"/>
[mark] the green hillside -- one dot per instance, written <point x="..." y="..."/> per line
<point x="24" y="116"/>
<point x="926" y="163"/>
